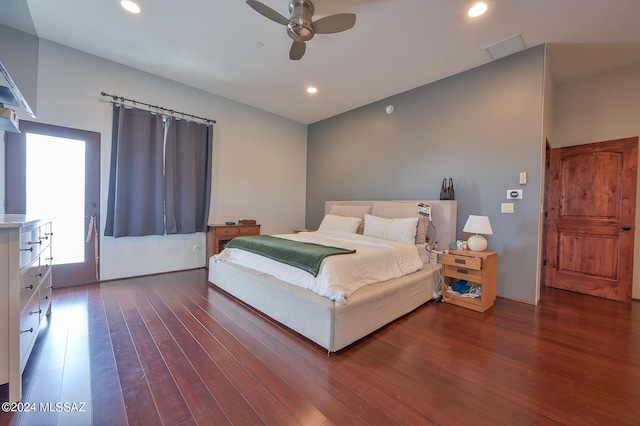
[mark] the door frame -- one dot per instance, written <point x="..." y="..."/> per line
<point x="68" y="274"/>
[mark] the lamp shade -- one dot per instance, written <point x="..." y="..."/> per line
<point x="477" y="225"/>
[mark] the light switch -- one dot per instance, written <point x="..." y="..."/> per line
<point x="506" y="208"/>
<point x="523" y="178"/>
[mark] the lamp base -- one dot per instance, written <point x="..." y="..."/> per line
<point x="477" y="243"/>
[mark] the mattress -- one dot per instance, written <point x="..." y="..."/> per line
<point x="375" y="260"/>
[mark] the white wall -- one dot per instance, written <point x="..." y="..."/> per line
<point x="600" y="108"/>
<point x="259" y="159"/>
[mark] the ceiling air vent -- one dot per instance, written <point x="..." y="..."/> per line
<point x="505" y="47"/>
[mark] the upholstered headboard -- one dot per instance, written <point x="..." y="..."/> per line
<point x="443" y="213"/>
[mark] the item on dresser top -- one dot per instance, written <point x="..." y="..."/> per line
<point x="247" y="221"/>
<point x="447" y="192"/>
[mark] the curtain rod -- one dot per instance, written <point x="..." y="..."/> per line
<point x="157" y="108"/>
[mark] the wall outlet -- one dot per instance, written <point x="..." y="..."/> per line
<point x="196" y="248"/>
<point x="514" y="194"/>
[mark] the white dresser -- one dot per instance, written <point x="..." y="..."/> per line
<point x="25" y="292"/>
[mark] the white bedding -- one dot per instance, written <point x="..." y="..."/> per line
<point x="375" y="260"/>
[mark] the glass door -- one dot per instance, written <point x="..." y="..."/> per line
<point x="53" y="173"/>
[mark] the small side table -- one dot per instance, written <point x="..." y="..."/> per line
<point x="219" y="235"/>
<point x="475" y="267"/>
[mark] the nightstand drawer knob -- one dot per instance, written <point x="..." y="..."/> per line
<point x="461" y="261"/>
<point x="462" y="271"/>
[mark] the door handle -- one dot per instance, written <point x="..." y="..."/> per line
<point x="626" y="228"/>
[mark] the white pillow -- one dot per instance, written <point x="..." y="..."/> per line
<point x="332" y="222"/>
<point x="401" y="229"/>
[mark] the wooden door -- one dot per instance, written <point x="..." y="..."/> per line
<point x="592" y="197"/>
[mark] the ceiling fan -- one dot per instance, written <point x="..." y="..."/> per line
<point x="300" y="26"/>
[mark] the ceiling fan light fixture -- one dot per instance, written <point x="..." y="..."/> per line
<point x="300" y="25"/>
<point x="477" y="10"/>
<point x="130" y="6"/>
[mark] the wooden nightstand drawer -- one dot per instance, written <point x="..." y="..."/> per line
<point x="226" y="231"/>
<point x="463" y="273"/>
<point x="250" y="230"/>
<point x="463" y="261"/>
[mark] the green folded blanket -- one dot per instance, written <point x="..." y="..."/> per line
<point x="306" y="256"/>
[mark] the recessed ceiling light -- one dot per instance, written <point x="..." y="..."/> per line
<point x="130" y="6"/>
<point x="312" y="89"/>
<point x="477" y="10"/>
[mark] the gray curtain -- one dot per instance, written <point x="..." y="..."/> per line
<point x="136" y="190"/>
<point x="187" y="176"/>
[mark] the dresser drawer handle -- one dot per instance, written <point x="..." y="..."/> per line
<point x="461" y="261"/>
<point x="27" y="331"/>
<point x="38" y="275"/>
<point x="35" y="242"/>
<point x="49" y="233"/>
<point x="39" y="311"/>
<point x="462" y="271"/>
<point x="29" y="249"/>
<point x="44" y="238"/>
<point x="45" y="298"/>
<point x="30" y="287"/>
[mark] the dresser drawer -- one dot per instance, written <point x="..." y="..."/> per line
<point x="45" y="292"/>
<point x="250" y="230"/>
<point x="29" y="322"/>
<point x="29" y="282"/>
<point x="463" y="261"/>
<point x="44" y="236"/>
<point x="29" y="246"/>
<point x="227" y="232"/>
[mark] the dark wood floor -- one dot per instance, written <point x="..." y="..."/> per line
<point x="170" y="349"/>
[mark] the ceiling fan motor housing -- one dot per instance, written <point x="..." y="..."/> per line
<point x="300" y="26"/>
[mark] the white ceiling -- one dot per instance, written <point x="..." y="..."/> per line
<point x="395" y="45"/>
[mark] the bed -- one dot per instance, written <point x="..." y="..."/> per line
<point x="335" y="324"/>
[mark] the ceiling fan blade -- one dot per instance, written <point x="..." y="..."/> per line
<point x="334" y="23"/>
<point x="297" y="50"/>
<point x="267" y="12"/>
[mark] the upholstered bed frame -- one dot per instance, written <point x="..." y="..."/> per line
<point x="335" y="326"/>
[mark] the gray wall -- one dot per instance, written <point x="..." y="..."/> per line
<point x="19" y="54"/>
<point x="481" y="127"/>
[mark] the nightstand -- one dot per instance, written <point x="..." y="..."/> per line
<point x="219" y="235"/>
<point x="475" y="267"/>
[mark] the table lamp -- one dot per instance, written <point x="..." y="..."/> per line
<point x="477" y="225"/>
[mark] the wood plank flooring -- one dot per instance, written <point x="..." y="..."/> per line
<point x="173" y="350"/>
